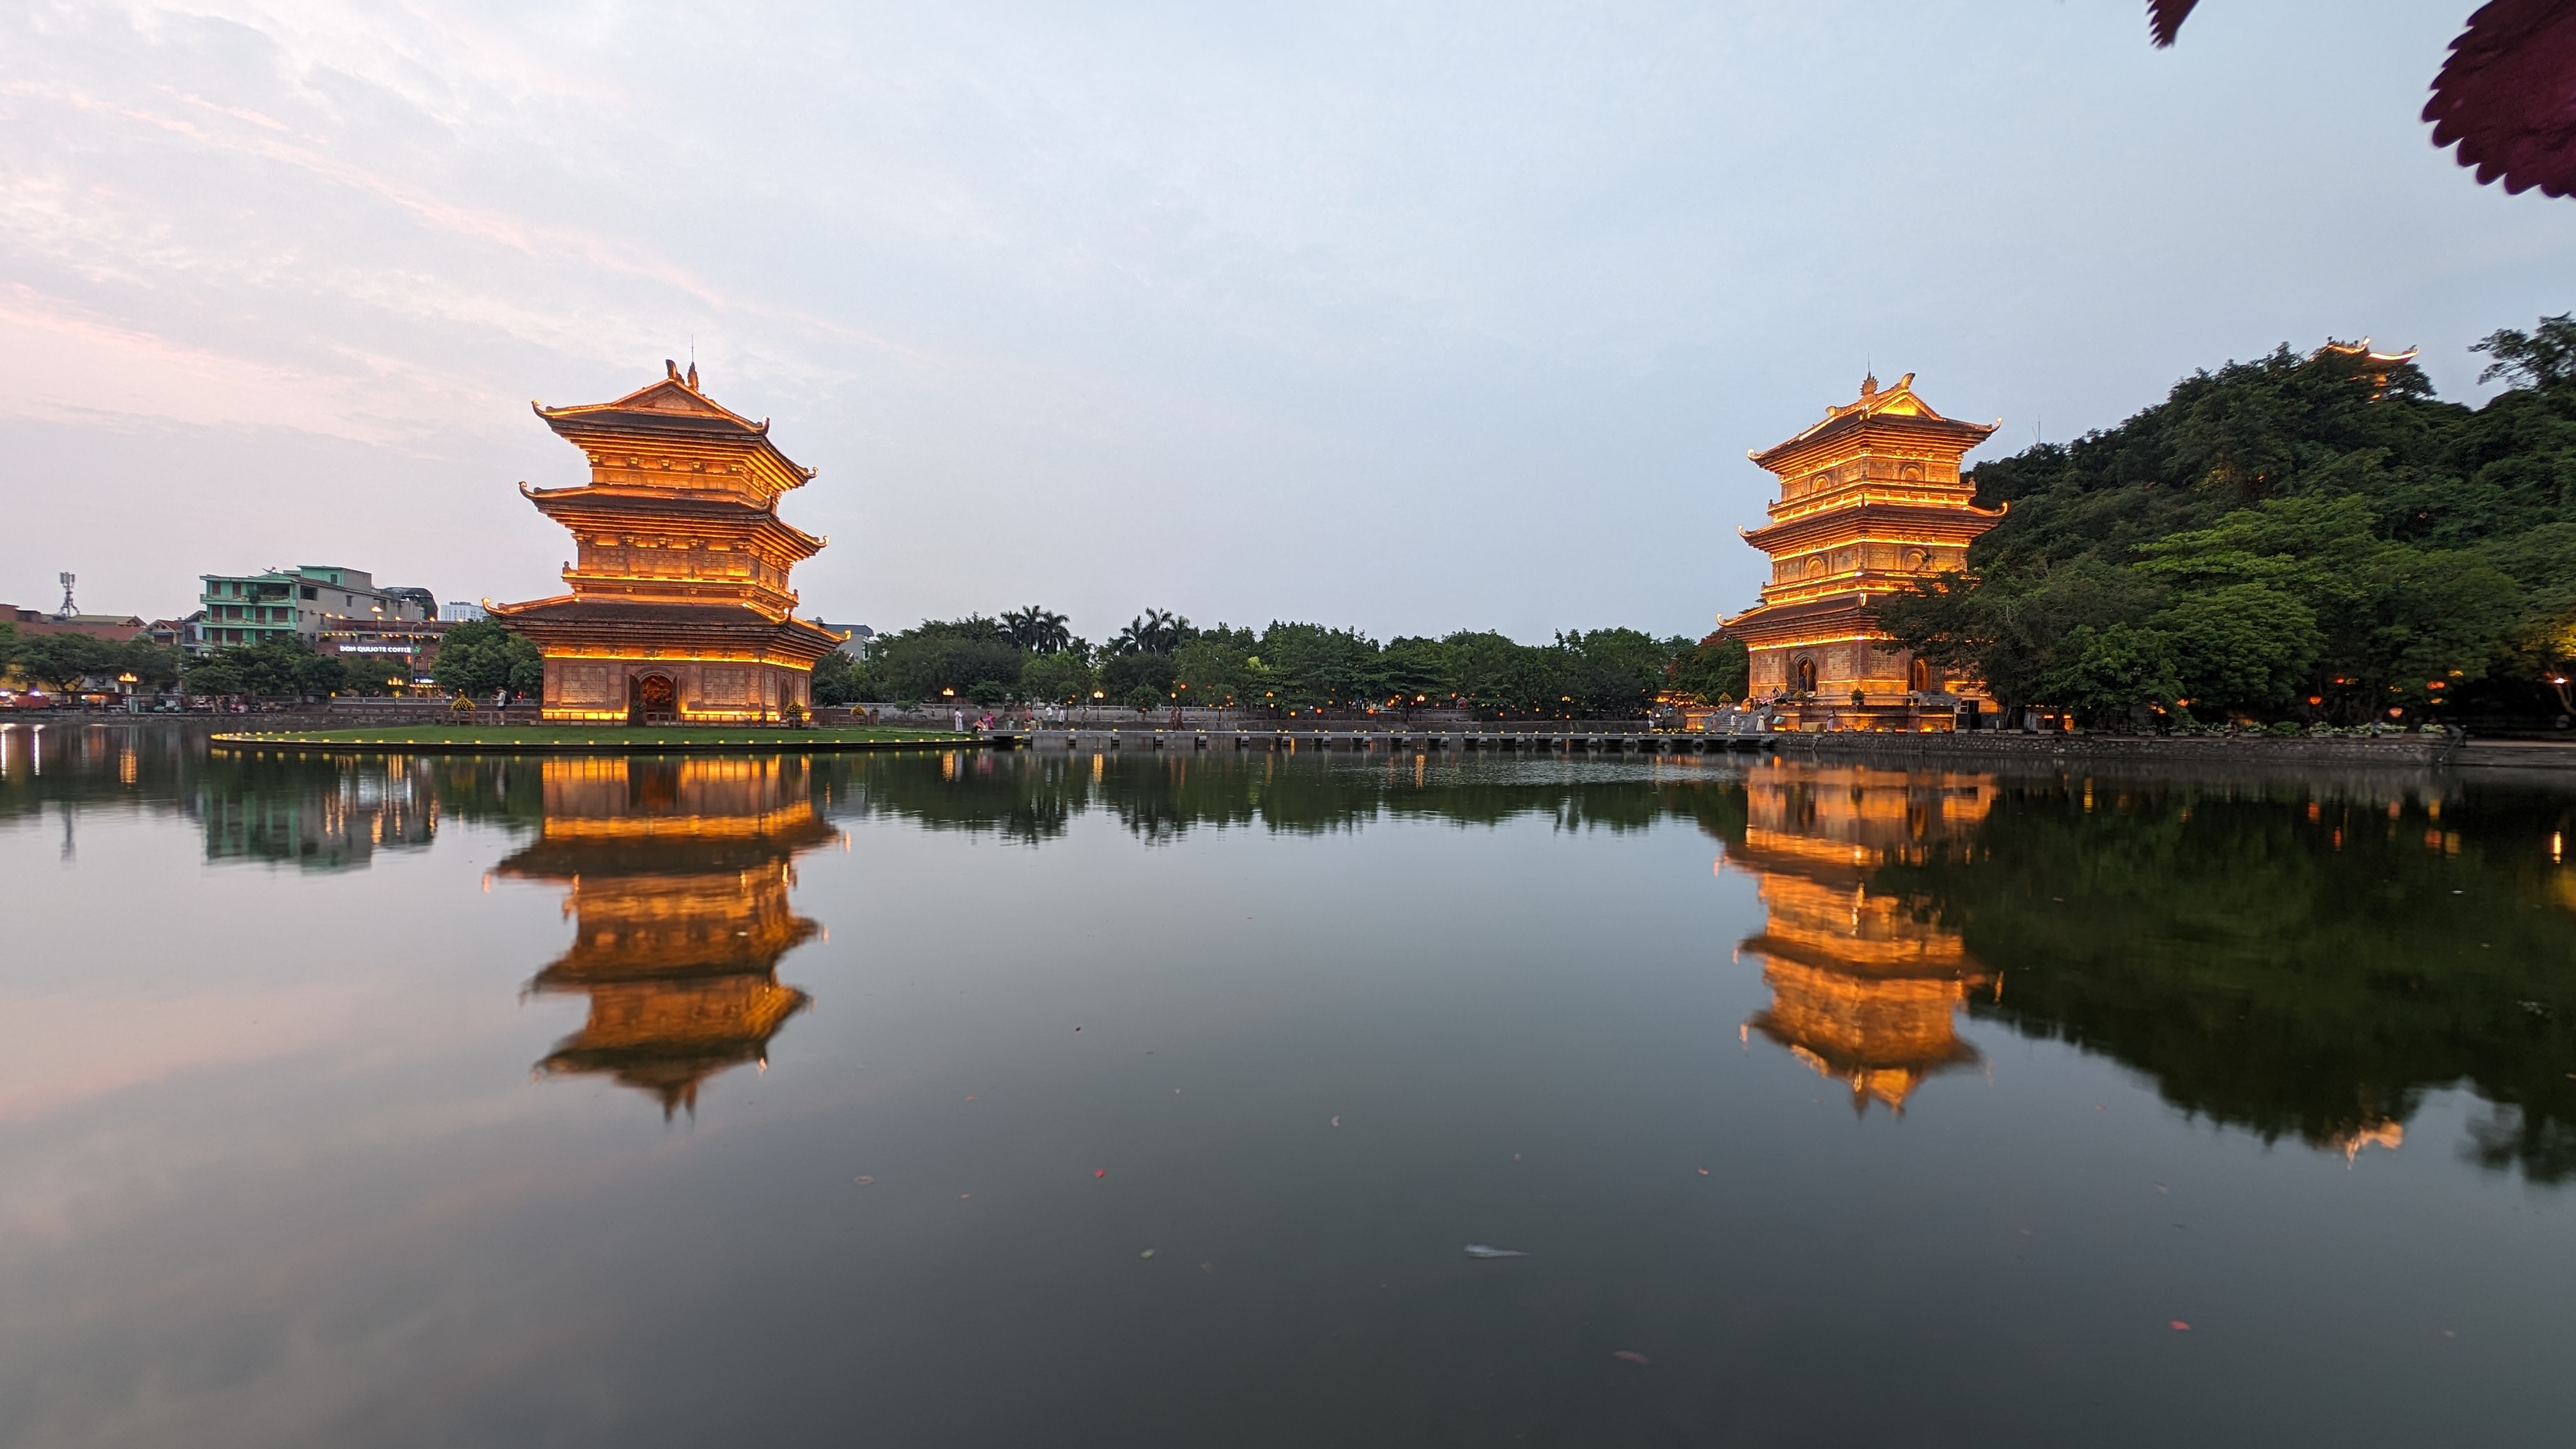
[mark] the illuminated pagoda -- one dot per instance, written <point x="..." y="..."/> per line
<point x="680" y="611"/>
<point x="677" y="876"/>
<point x="1870" y="501"/>
<point x="1863" y="990"/>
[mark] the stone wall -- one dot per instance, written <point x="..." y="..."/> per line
<point x="2409" y="750"/>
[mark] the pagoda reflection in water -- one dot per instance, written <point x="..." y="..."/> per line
<point x="1864" y="990"/>
<point x="678" y="872"/>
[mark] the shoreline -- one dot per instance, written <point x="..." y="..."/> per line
<point x="540" y="739"/>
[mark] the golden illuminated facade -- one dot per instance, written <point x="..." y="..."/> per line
<point x="1871" y="500"/>
<point x="680" y="611"/>
<point x="1864" y="989"/>
<point x="677" y="874"/>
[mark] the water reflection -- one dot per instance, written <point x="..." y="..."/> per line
<point x="2298" y="959"/>
<point x="271" y="810"/>
<point x="676" y="874"/>
<point x="1865" y="986"/>
<point x="2306" y="957"/>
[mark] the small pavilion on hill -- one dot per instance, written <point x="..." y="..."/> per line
<point x="680" y="612"/>
<point x="1871" y="500"/>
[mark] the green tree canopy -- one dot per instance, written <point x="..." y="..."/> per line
<point x="268" y="670"/>
<point x="2282" y="531"/>
<point x="482" y="656"/>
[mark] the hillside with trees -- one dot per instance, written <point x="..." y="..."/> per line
<point x="2313" y="540"/>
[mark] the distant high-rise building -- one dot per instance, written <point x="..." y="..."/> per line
<point x="461" y="611"/>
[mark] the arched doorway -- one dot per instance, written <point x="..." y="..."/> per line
<point x="654" y="700"/>
<point x="1806" y="673"/>
<point x="1919" y="677"/>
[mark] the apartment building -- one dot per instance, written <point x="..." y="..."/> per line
<point x="306" y="602"/>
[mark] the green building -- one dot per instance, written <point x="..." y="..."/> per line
<point x="305" y="602"/>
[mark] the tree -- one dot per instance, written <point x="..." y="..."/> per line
<point x="267" y="670"/>
<point x="1615" y="671"/>
<point x="1037" y="630"/>
<point x="2542" y="357"/>
<point x="2107" y="672"/>
<point x="1717" y="670"/>
<point x="1209" y="670"/>
<point x="1414" y="671"/>
<point x="1308" y="665"/>
<point x="64" y="660"/>
<point x="1156" y="631"/>
<point x="153" y="664"/>
<point x="482" y="656"/>
<point x="1125" y="674"/>
<point x="939" y="654"/>
<point x="1058" y="678"/>
<point x="2425" y="542"/>
<point x="839" y="679"/>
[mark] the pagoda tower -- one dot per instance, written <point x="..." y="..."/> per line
<point x="680" y="611"/>
<point x="1862" y="990"/>
<point x="676" y="873"/>
<point x="1870" y="501"/>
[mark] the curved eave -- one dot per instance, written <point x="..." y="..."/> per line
<point x="1804" y="612"/>
<point x="1969" y="521"/>
<point x="717" y="411"/>
<point x="1966" y="433"/>
<point x="504" y="611"/>
<point x="718" y="508"/>
<point x="613" y="419"/>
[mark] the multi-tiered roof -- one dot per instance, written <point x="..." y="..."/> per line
<point x="677" y="533"/>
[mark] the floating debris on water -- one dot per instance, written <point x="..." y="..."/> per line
<point x="1480" y="1250"/>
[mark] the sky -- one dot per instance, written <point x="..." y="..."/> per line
<point x="1407" y="318"/>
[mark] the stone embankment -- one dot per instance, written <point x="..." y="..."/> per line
<point x="2414" y="750"/>
<point x="2000" y="746"/>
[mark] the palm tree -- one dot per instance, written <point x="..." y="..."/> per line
<point x="1038" y="630"/>
<point x="1048" y="633"/>
<point x="1156" y="631"/>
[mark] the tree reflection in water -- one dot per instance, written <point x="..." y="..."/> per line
<point x="2299" y="956"/>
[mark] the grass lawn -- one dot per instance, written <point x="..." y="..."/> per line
<point x="615" y="737"/>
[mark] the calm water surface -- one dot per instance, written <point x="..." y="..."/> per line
<point x="1008" y="1100"/>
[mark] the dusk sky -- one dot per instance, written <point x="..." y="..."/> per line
<point x="1409" y="318"/>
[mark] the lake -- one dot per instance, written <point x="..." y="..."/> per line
<point x="1013" y="1099"/>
